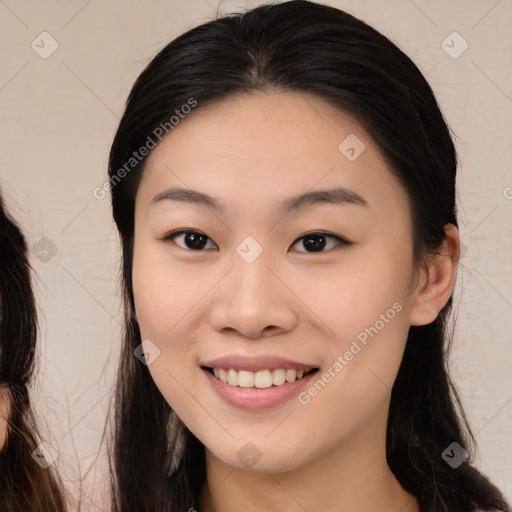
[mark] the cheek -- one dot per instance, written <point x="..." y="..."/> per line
<point x="163" y="293"/>
<point x="364" y="303"/>
<point x="363" y="358"/>
<point x="163" y="299"/>
<point x="167" y="304"/>
<point x="354" y="293"/>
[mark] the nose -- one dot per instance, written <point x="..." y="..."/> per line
<point x="253" y="301"/>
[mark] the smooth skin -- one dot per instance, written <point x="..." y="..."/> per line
<point x="5" y="409"/>
<point x="251" y="152"/>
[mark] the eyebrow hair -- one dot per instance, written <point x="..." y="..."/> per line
<point x="188" y="195"/>
<point x="336" y="195"/>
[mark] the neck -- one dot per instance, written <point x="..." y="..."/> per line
<point x="351" y="477"/>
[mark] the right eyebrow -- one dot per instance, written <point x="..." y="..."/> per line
<point x="190" y="196"/>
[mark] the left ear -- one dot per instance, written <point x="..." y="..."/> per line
<point x="435" y="283"/>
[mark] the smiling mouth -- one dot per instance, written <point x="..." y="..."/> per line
<point x="260" y="379"/>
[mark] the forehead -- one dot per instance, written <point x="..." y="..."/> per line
<point x="267" y="145"/>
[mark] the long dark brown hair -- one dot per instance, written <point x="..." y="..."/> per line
<point x="157" y="463"/>
<point x="24" y="483"/>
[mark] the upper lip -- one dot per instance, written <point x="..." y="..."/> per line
<point x="254" y="364"/>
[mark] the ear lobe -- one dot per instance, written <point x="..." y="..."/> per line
<point x="437" y="281"/>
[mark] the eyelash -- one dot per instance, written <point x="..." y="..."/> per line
<point x="341" y="241"/>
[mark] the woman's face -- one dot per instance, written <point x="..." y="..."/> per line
<point x="224" y="269"/>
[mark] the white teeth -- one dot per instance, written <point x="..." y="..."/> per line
<point x="291" y="375"/>
<point x="261" y="379"/>
<point x="245" y="379"/>
<point x="278" y="377"/>
<point x="232" y="377"/>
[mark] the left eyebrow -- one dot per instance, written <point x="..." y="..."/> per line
<point x="336" y="195"/>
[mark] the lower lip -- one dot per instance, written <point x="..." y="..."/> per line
<point x="256" y="399"/>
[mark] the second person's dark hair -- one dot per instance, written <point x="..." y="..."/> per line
<point x="24" y="484"/>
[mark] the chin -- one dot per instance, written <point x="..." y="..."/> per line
<point x="245" y="455"/>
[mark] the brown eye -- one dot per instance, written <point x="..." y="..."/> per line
<point x="194" y="240"/>
<point x="318" y="241"/>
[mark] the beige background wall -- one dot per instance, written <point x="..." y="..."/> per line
<point x="57" y="118"/>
